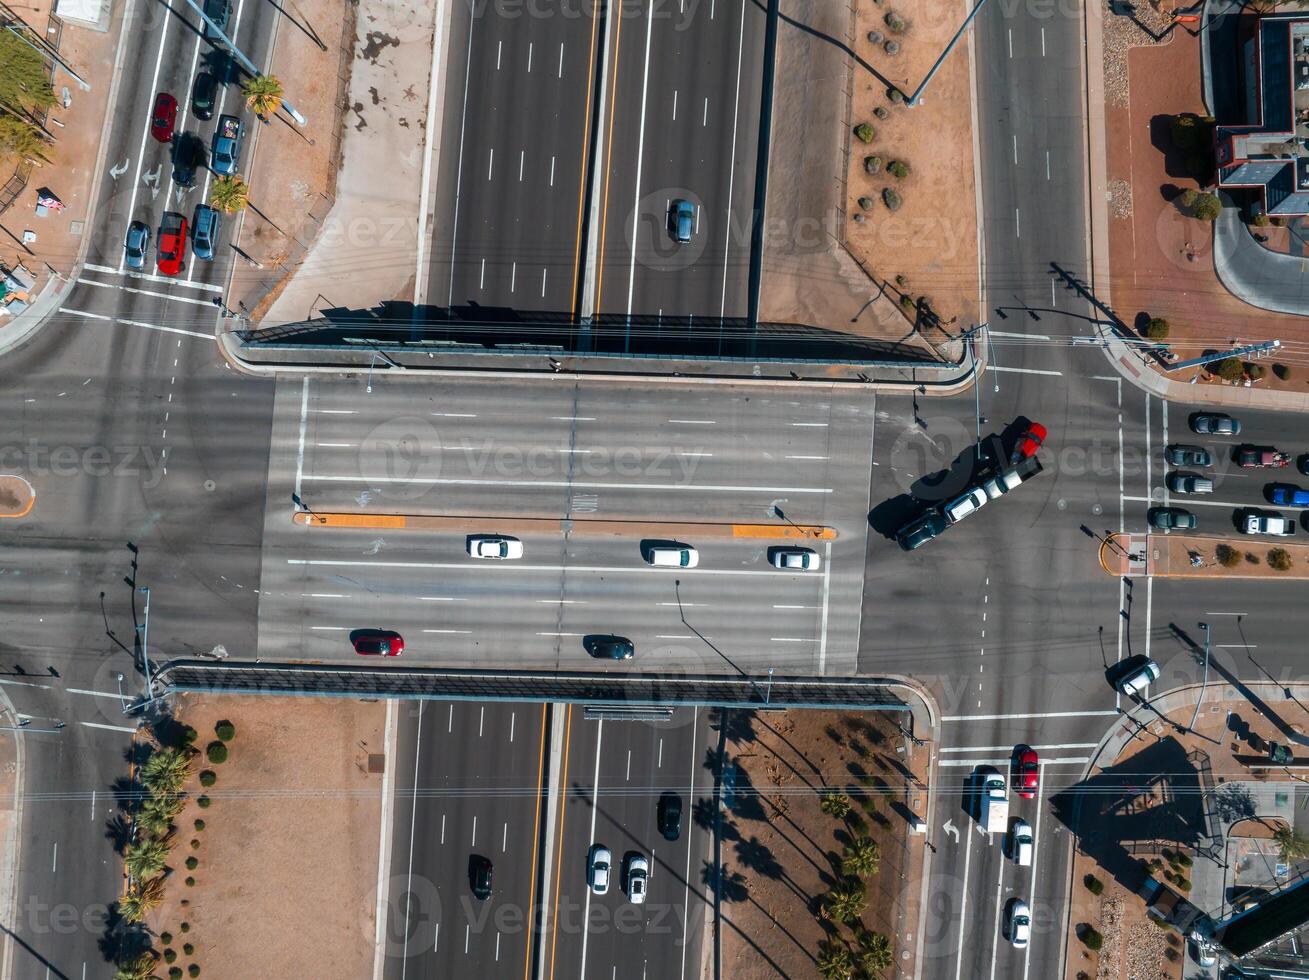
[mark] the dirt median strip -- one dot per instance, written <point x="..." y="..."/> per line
<point x="1173" y="556"/>
<point x="532" y="525"/>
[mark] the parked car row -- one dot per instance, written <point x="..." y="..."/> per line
<point x="188" y="155"/>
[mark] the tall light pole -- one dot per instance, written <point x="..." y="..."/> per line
<point x="1205" y="681"/>
<point x="240" y="56"/>
<point x="144" y="630"/>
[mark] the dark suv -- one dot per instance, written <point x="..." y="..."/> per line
<point x="203" y="93"/>
<point x="921" y="530"/>
<point x="217" y="11"/>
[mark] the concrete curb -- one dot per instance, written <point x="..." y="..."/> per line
<point x="12" y="843"/>
<point x="229" y="347"/>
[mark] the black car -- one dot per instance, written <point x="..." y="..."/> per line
<point x="1302" y="464"/>
<point x="1188" y="456"/>
<point x="668" y="815"/>
<point x="479" y="876"/>
<point x="188" y="154"/>
<point x="217" y="11"/>
<point x="921" y="530"/>
<point x="1171" y="519"/>
<point x="609" y="647"/>
<point x="203" y="93"/>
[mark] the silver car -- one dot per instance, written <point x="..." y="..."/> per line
<point x="136" y="244"/>
<point x="599" y="864"/>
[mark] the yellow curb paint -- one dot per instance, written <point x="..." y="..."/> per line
<point x="31" y="497"/>
<point x="415" y="522"/>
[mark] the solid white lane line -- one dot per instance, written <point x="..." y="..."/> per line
<point x="300" y="452"/>
<point x="330" y="629"/>
<point x="567" y="483"/>
<point x="693" y="421"/>
<point x="1037" y="714"/>
<point x="1036" y="851"/>
<point x="481" y="721"/>
<point x="810" y="425"/>
<point x="137" y="323"/>
<point x="636" y="207"/>
<point x="146" y="292"/>
<point x="686" y="874"/>
<point x="595" y="807"/>
<point x="731" y="170"/>
<point x="1189" y="501"/>
<point x="1018" y="370"/>
<point x="145" y="131"/>
<point x="1015" y="149"/>
<point x="806" y="457"/>
<point x="791" y="639"/>
<point x="108" y="728"/>
<point x="439" y="598"/>
<point x="54" y="858"/>
<point x="641" y="570"/>
<point x="1018" y="224"/>
<point x="1062" y="761"/>
<point x="827" y="588"/>
<point x="447" y="631"/>
<point x="490" y="163"/>
<point x="1019" y="336"/>
<point x="995" y="922"/>
<point x="92" y="694"/>
<point x="474" y="843"/>
<point x="963" y="904"/>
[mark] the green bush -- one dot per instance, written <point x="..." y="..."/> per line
<point x="895" y="23"/>
<point x="1252" y="558"/>
<point x="1188" y="198"/>
<point x="170" y="956"/>
<point x="865" y="203"/>
<point x="1254" y="371"/>
<point x="199" y="824"/>
<point x="1183" y="884"/>
<point x="1261" y="220"/>
<point x="203" y="802"/>
<point x="216" y="753"/>
<point x="190" y="882"/>
<point x="864" y="133"/>
<point x="1207" y="207"/>
<point x="166" y="938"/>
<point x="189" y="736"/>
<point x="882" y="112"/>
<point x="1282" y="371"/>
<point x="1227" y="556"/>
<point x="873" y="165"/>
<point x="895" y="95"/>
<point x="188" y="949"/>
<point x="225" y="730"/>
<point x="1184" y="860"/>
<point x="192" y="863"/>
<point x="1279" y="559"/>
<point x="891" y="198"/>
<point x="1092" y="939"/>
<point x="195" y="844"/>
<point x="186" y="927"/>
<point x="898" y="169"/>
<point x="1156" y="329"/>
<point x="208" y="778"/>
<point x="1185" y="131"/>
<point x="174" y="973"/>
<point x="1093" y="885"/>
<point x="1229" y="368"/>
<point x="193" y="970"/>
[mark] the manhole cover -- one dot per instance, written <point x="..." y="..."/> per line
<point x="210" y="485"/>
<point x="1097" y="510"/>
<point x="1062" y="504"/>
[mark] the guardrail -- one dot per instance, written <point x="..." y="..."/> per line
<point x="577" y="687"/>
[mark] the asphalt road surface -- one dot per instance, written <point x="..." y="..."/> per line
<point x="488" y="452"/>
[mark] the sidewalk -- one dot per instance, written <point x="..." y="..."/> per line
<point x="51" y="247"/>
<point x="1178" y="555"/>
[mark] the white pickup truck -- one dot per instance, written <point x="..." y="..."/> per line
<point x="993" y="801"/>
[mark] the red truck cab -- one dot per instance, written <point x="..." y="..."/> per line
<point x="1261" y="457"/>
<point x="172" y="244"/>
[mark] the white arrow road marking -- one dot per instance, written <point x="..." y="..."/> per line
<point x="950" y="828"/>
<point x="119" y="169"/>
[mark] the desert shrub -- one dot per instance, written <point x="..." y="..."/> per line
<point x="1251" y="558"/>
<point x="190" y="882"/>
<point x="864" y="133"/>
<point x="208" y="778"/>
<point x="1093" y="884"/>
<point x="193" y="970"/>
<point x="1092" y="939"/>
<point x="192" y="863"/>
<point x="1260" y="220"/>
<point x="1184" y="860"/>
<point x="1282" y="371"/>
<point x="898" y="169"/>
<point x="1279" y="559"/>
<point x="873" y="165"/>
<point x="895" y="23"/>
<point x="881" y="112"/>
<point x="186" y="927"/>
<point x="895" y="95"/>
<point x="891" y="47"/>
<point x="225" y="730"/>
<point x="174" y="973"/>
<point x="188" y="949"/>
<point x="203" y="802"/>
<point x="1229" y="368"/>
<point x="170" y="956"/>
<point x="891" y="198"/>
<point x="216" y="753"/>
<point x="1254" y="371"/>
<point x="1227" y="556"/>
<point x="1188" y="198"/>
<point x="1157" y="328"/>
<point x="199" y="825"/>
<point x="1207" y="207"/>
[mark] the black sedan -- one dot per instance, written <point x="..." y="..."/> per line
<point x="1172" y="519"/>
<point x="1180" y="455"/>
<point x="609" y="647"/>
<point x="668" y="815"/>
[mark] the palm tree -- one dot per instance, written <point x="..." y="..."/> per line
<point x="141" y="899"/>
<point x="835" y="803"/>
<point x="874" y="952"/>
<point x="229" y="194"/>
<point x="845" y="902"/>
<point x="139" y="967"/>
<point x="166" y="772"/>
<point x="157" y="813"/>
<point x="834" y="961"/>
<point x="1291" y="844"/>
<point x="263" y="95"/>
<point x="147" y="858"/>
<point x="863" y="857"/>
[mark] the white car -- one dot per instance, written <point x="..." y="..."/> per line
<point x="670" y="554"/>
<point x="1020" y="924"/>
<point x="1254" y="522"/>
<point x="959" y="508"/>
<point x="638" y="870"/>
<point x="598" y="865"/>
<point x="494" y="546"/>
<point x="796" y="559"/>
<point x="1138" y="680"/>
<point x="1020" y="843"/>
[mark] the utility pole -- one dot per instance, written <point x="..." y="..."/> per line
<point x="240" y="56"/>
<point x="1203" y="683"/>
<point x="144" y="630"/>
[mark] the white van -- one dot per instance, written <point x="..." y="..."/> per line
<point x="1021" y="842"/>
<point x="672" y="555"/>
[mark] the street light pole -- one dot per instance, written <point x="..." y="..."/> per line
<point x="240" y="56"/>
<point x="1205" y="681"/>
<point x="144" y="630"/>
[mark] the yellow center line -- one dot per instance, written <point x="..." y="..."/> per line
<point x="586" y="150"/>
<point x="536" y="836"/>
<point x="559" y="858"/>
<point x="604" y="207"/>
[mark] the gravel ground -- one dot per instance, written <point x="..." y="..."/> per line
<point x="1120" y="34"/>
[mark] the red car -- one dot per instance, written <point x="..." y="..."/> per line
<point x="1029" y="442"/>
<point x="377" y="643"/>
<point x="163" y="117"/>
<point x="1027" y="771"/>
<point x="171" y="250"/>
